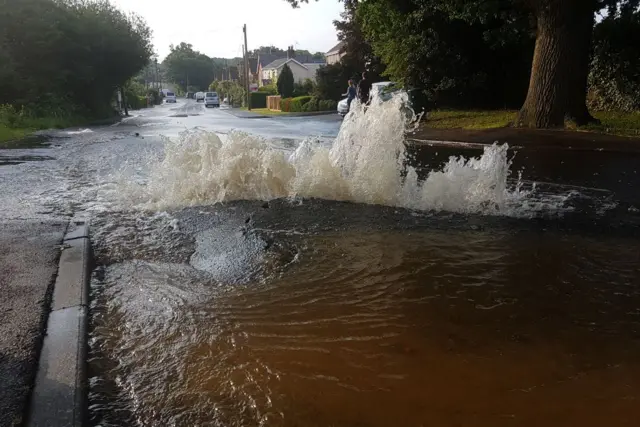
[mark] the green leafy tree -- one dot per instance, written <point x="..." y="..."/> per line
<point x="456" y="63"/>
<point x="614" y="79"/>
<point x="58" y="56"/>
<point x="183" y="64"/>
<point x="560" y="66"/>
<point x="285" y="82"/>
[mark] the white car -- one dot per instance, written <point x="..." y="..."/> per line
<point x="199" y="96"/>
<point x="211" y="99"/>
<point x="170" y="97"/>
<point x="377" y="91"/>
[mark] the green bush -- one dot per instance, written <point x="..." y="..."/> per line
<point x="156" y="98"/>
<point x="136" y="102"/>
<point x="258" y="99"/>
<point x="269" y="89"/>
<point x="298" y="103"/>
<point x="614" y="82"/>
<point x="285" y="105"/>
<point x="313" y="104"/>
<point x="327" y="105"/>
<point x="304" y="89"/>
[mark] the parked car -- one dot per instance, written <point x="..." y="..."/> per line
<point x="211" y="98"/>
<point x="377" y="92"/>
<point x="170" y="97"/>
<point x="199" y="96"/>
<point x="189" y="95"/>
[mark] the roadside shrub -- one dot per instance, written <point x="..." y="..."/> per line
<point x="258" y="99"/>
<point x="304" y="89"/>
<point x="285" y="105"/>
<point x="155" y="96"/>
<point x="312" y="105"/>
<point x="327" y="105"/>
<point x="136" y="102"/>
<point x="298" y="103"/>
<point x="614" y="80"/>
<point x="268" y="89"/>
<point x="9" y="115"/>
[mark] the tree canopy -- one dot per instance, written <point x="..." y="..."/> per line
<point x="495" y="50"/>
<point x="64" y="55"/>
<point x="183" y="64"/>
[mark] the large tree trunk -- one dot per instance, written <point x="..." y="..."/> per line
<point x="558" y="85"/>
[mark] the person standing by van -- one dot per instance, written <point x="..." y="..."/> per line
<point x="364" y="89"/>
<point x="351" y="94"/>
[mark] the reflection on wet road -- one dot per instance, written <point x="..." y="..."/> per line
<point x="346" y="282"/>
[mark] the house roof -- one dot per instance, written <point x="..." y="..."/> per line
<point x="309" y="59"/>
<point x="280" y="62"/>
<point x="267" y="58"/>
<point x="335" y="49"/>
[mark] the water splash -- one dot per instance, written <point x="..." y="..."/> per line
<point x="367" y="163"/>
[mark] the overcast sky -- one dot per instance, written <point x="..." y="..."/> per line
<point x="214" y="27"/>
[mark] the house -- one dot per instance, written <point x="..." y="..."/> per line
<point x="300" y="70"/>
<point x="263" y="60"/>
<point x="334" y="54"/>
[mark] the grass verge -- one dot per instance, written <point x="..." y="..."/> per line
<point x="12" y="135"/>
<point x="8" y="135"/>
<point x="266" y="111"/>
<point x="615" y="123"/>
<point x="612" y="123"/>
<point x="469" y="120"/>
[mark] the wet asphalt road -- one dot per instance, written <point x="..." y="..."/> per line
<point x="188" y="114"/>
<point x="41" y="187"/>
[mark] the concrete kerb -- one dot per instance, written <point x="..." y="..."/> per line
<point x="59" y="396"/>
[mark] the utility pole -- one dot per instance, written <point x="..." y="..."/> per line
<point x="246" y="66"/>
<point x="157" y="76"/>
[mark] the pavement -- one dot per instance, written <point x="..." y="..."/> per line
<point x="562" y="139"/>
<point x="244" y="114"/>
<point x="29" y="253"/>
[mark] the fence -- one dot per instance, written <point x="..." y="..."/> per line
<point x="273" y="102"/>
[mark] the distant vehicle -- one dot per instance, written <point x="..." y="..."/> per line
<point x="377" y="92"/>
<point x="211" y="98"/>
<point x="190" y="95"/>
<point x="170" y="97"/>
<point x="199" y="96"/>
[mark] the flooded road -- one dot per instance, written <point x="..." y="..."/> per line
<point x="344" y="281"/>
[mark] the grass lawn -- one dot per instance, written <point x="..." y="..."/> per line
<point x="614" y="123"/>
<point x="7" y="135"/>
<point x="266" y="111"/>
<point x="12" y="137"/>
<point x="471" y="120"/>
<point x="623" y="124"/>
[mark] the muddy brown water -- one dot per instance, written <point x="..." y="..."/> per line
<point x="320" y="313"/>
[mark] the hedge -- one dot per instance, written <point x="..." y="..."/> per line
<point x="270" y="89"/>
<point x="307" y="104"/>
<point x="258" y="99"/>
<point x="137" y="102"/>
<point x="294" y="105"/>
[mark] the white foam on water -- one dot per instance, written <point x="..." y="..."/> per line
<point x="366" y="164"/>
<point x="78" y="132"/>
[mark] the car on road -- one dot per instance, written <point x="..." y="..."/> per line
<point x="199" y="96"/>
<point x="377" y="92"/>
<point x="211" y="99"/>
<point x="170" y="97"/>
<point x="190" y="95"/>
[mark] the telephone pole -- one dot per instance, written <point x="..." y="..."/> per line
<point x="246" y="66"/>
